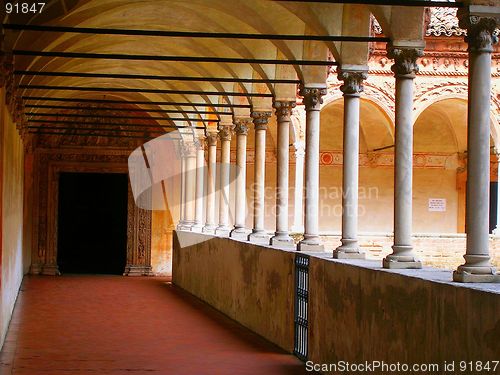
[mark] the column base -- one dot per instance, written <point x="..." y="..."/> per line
<point x="282" y="241"/>
<point x="240" y="233"/>
<point x="35" y="269"/>
<point x="477" y="269"/>
<point x="261" y="238"/>
<point x="198" y="228"/>
<point x="310" y="244"/>
<point x="401" y="258"/>
<point x="222" y="231"/>
<point x="137" y="271"/>
<point x="348" y="250"/>
<point x="184" y="226"/>
<point x="209" y="229"/>
<point x="465" y="277"/>
<point x="51" y="270"/>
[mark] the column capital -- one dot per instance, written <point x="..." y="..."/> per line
<point x="225" y="132"/>
<point x="405" y="60"/>
<point x="313" y="96"/>
<point x="188" y="148"/>
<point x="480" y="31"/>
<point x="260" y="119"/>
<point x="211" y="139"/>
<point x="284" y="109"/>
<point x="353" y="81"/>
<point x="200" y="142"/>
<point x="241" y="125"/>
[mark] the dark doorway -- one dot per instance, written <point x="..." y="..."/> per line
<point x="92" y="233"/>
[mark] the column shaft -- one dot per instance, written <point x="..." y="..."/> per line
<point x="259" y="234"/>
<point x="478" y="267"/>
<point x="298" y="214"/>
<point x="312" y="100"/>
<point x="211" y="183"/>
<point x="351" y="88"/>
<point x="241" y="128"/>
<point x="190" y="186"/>
<point x="200" y="188"/>
<point x="281" y="237"/>
<point x="225" y="169"/>
<point x="405" y="68"/>
<point x="182" y="202"/>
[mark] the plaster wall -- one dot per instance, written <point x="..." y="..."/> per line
<point x="12" y="177"/>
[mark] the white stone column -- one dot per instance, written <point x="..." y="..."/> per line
<point x="312" y="100"/>
<point x="200" y="185"/>
<point x="210" y="223"/>
<point x="190" y="149"/>
<point x="352" y="87"/>
<point x="225" y="169"/>
<point x="182" y="218"/>
<point x="241" y="129"/>
<point x="259" y="234"/>
<point x="281" y="237"/>
<point x="480" y="38"/>
<point x="405" y="67"/>
<point x="298" y="206"/>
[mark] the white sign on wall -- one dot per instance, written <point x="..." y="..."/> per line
<point x="437" y="205"/>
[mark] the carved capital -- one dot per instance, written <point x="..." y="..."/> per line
<point x="284" y="110"/>
<point x="188" y="149"/>
<point x="241" y="125"/>
<point x="405" y="60"/>
<point x="480" y="32"/>
<point x="260" y="119"/>
<point x="225" y="132"/>
<point x="353" y="81"/>
<point x="313" y="96"/>
<point x="211" y="139"/>
<point x="200" y="143"/>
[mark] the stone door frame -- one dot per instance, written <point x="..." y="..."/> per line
<point x="45" y="215"/>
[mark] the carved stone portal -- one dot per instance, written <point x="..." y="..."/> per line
<point x="49" y="165"/>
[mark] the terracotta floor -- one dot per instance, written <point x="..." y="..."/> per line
<point x="118" y="325"/>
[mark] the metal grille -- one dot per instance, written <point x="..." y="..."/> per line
<point x="301" y="299"/>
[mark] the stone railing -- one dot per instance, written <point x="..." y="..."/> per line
<point x="444" y="251"/>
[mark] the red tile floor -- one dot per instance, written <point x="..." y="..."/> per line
<point x="101" y="325"/>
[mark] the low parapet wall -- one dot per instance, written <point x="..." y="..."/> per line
<point x="251" y="284"/>
<point x="357" y="311"/>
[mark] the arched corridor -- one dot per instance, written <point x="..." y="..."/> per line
<point x="324" y="173"/>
